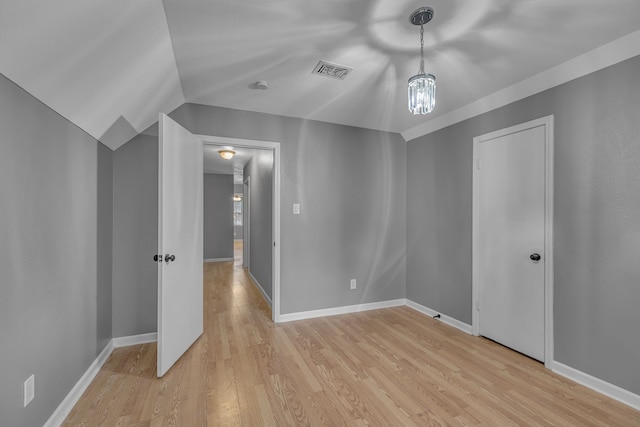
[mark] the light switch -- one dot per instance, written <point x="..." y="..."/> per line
<point x="296" y="208"/>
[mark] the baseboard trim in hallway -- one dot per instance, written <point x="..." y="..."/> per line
<point x="443" y="317"/>
<point x="602" y="387"/>
<point x="347" y="309"/>
<point x="260" y="288"/>
<point x="57" y="418"/>
<point x="62" y="411"/>
<point x="135" y="340"/>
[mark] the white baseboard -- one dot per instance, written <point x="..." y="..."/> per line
<point x="135" y="340"/>
<point x="347" y="309"/>
<point x="260" y="288"/>
<point x="443" y="317"/>
<point x="218" y="259"/>
<point x="62" y="411"/>
<point x="601" y="386"/>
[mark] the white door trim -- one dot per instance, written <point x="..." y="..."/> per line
<point x="246" y="218"/>
<point x="547" y="122"/>
<point x="275" y="254"/>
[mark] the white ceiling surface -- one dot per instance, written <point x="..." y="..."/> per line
<point x="213" y="163"/>
<point x="106" y="65"/>
<point x="110" y="66"/>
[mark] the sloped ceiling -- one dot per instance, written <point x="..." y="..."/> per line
<point x="110" y="66"/>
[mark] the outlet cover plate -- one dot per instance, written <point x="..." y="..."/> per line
<point x="353" y="283"/>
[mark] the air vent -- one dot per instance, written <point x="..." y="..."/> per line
<point x="335" y="71"/>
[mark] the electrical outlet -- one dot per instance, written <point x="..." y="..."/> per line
<point x="296" y="208"/>
<point x="29" y="389"/>
<point x="353" y="283"/>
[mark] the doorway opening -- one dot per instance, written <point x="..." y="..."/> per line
<point x="274" y="238"/>
<point x="238" y="216"/>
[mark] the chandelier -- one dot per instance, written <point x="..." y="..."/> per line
<point x="422" y="86"/>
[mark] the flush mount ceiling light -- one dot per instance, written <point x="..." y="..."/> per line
<point x="422" y="86"/>
<point x="227" y="154"/>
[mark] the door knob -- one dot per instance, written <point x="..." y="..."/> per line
<point x="157" y="258"/>
<point x="535" y="257"/>
<point x="168" y="258"/>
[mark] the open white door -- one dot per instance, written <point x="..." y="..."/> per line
<point x="180" y="293"/>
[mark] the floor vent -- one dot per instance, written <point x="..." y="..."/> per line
<point x="335" y="71"/>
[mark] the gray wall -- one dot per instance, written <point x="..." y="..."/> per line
<point x="351" y="184"/>
<point x="596" y="218"/>
<point x="53" y="281"/>
<point x="135" y="237"/>
<point x="439" y="223"/>
<point x="218" y="216"/>
<point x="105" y="247"/>
<point x="260" y="170"/>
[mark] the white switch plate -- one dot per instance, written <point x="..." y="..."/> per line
<point x="29" y="389"/>
<point x="353" y="283"/>
<point x="296" y="208"/>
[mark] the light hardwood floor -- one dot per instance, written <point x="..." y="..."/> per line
<point x="390" y="367"/>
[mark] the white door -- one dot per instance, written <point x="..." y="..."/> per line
<point x="510" y="249"/>
<point x="180" y="291"/>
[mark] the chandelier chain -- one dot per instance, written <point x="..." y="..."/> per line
<point x="421" y="89"/>
<point x="421" y="71"/>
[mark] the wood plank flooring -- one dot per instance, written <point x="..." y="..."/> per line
<point x="390" y="367"/>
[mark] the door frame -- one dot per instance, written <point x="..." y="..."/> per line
<point x="275" y="185"/>
<point x="246" y="218"/>
<point x="547" y="122"/>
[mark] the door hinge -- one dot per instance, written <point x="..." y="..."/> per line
<point x="477" y="305"/>
<point x="478" y="163"/>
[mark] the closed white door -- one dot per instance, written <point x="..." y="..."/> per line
<point x="180" y="285"/>
<point x="510" y="249"/>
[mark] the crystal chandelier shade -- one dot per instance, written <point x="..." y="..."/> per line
<point x="422" y="93"/>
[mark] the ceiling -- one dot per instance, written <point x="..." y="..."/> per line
<point x="110" y="66"/>
<point x="213" y="163"/>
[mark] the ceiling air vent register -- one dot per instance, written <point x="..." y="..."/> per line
<point x="335" y="71"/>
